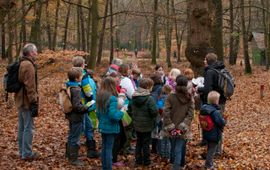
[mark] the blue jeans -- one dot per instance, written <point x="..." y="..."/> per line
<point x="211" y="149"/>
<point x="75" y="130"/>
<point x="25" y="133"/>
<point x="178" y="152"/>
<point x="88" y="128"/>
<point x="106" y="153"/>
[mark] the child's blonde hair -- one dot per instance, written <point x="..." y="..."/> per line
<point x="213" y="97"/>
<point x="174" y="73"/>
<point x="189" y="73"/>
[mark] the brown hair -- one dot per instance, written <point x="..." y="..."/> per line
<point x="78" y="61"/>
<point x="156" y="78"/>
<point x="211" y="58"/>
<point x="123" y="69"/>
<point x="166" y="89"/>
<point x="189" y="73"/>
<point x="74" y="73"/>
<point x="107" y="89"/>
<point x="136" y="71"/>
<point x="158" y="66"/>
<point x="146" y="83"/>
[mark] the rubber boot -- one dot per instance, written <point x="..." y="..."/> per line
<point x="91" y="149"/>
<point x="67" y="151"/>
<point x="73" y="156"/>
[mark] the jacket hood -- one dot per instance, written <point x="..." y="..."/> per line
<point x="72" y="83"/>
<point x="217" y="65"/>
<point x="207" y="109"/>
<point x="182" y="94"/>
<point x="140" y="96"/>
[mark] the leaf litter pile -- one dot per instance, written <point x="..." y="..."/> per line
<point x="247" y="134"/>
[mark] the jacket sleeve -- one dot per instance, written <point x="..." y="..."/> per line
<point x="168" y="123"/>
<point x="152" y="107"/>
<point x="27" y="77"/>
<point x="129" y="110"/>
<point x="218" y="119"/>
<point x="114" y="113"/>
<point x="77" y="105"/>
<point x="185" y="125"/>
<point x="127" y="84"/>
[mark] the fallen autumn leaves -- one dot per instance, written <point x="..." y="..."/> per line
<point x="247" y="134"/>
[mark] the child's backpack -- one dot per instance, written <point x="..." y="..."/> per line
<point x="65" y="100"/>
<point x="206" y="122"/>
<point x="225" y="82"/>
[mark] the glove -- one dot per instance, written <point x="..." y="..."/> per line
<point x="34" y="109"/>
<point x="176" y="132"/>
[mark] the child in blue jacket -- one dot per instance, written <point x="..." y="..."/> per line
<point x="108" y="115"/>
<point x="212" y="127"/>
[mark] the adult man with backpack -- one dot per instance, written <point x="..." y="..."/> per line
<point x="27" y="101"/>
<point x="216" y="78"/>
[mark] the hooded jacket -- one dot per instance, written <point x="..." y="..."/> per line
<point x="211" y="82"/>
<point x="28" y="76"/>
<point x="78" y="109"/>
<point x="214" y="111"/>
<point x="178" y="112"/>
<point x="142" y="108"/>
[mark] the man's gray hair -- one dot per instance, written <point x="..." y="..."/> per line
<point x="28" y="48"/>
<point x="78" y="61"/>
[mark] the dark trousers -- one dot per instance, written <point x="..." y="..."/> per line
<point x="211" y="149"/>
<point x="143" y="148"/>
<point x="119" y="142"/>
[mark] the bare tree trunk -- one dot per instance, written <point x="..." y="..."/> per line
<point x="3" y="40"/>
<point x="23" y="28"/>
<point x="178" y="44"/>
<point x="91" y="61"/>
<point x="78" y="30"/>
<point x="111" y="30"/>
<point x="56" y="25"/>
<point x="10" y="38"/>
<point x="88" y="26"/>
<point x="35" y="36"/>
<point x="168" y="34"/>
<point x="231" y="57"/>
<point x="82" y="26"/>
<point x="48" y="26"/>
<point x="245" y="40"/>
<point x="66" y="27"/>
<point x="101" y="36"/>
<point x="154" y="33"/>
<point x="217" y="36"/>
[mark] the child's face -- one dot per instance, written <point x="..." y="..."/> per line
<point x="79" y="79"/>
<point x="135" y="76"/>
<point x="160" y="71"/>
<point x="216" y="101"/>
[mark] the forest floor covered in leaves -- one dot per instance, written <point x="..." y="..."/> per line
<point x="247" y="134"/>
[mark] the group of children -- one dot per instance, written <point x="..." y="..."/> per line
<point x="161" y="109"/>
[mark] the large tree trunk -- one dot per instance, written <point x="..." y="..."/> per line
<point x="217" y="36"/>
<point x="245" y="40"/>
<point x="88" y="26"/>
<point x="199" y="33"/>
<point x="56" y="25"/>
<point x="78" y="29"/>
<point x="154" y="33"/>
<point x="35" y="36"/>
<point x="91" y="61"/>
<point x="66" y="27"/>
<point x="111" y="30"/>
<point x="168" y="34"/>
<point x="101" y="36"/>
<point x="23" y="26"/>
<point x="231" y="57"/>
<point x="10" y="37"/>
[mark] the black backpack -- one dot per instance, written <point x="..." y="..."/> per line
<point x="11" y="81"/>
<point x="225" y="82"/>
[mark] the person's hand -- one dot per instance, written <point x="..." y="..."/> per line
<point x="176" y="132"/>
<point x="34" y="109"/>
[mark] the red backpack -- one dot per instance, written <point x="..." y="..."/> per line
<point x="206" y="122"/>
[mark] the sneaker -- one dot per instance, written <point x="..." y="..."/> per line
<point x="34" y="156"/>
<point x="118" y="164"/>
